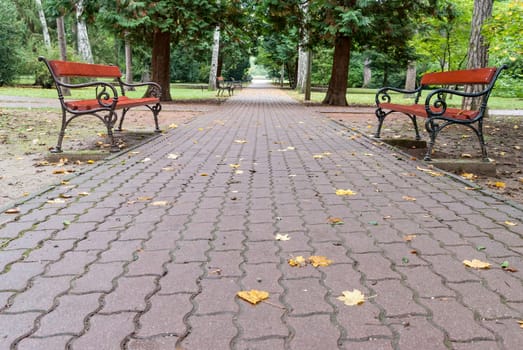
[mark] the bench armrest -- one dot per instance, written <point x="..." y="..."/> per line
<point x="105" y="93"/>
<point x="153" y="90"/>
<point x="382" y="96"/>
<point x="436" y="104"/>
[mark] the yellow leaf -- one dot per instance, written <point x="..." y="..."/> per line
<point x="408" y="198"/>
<point x="510" y="223"/>
<point x="466" y="155"/>
<point x="59" y="171"/>
<point x="253" y="296"/>
<point x="173" y="126"/>
<point x="298" y="261"/>
<point x="239" y="172"/>
<point x="234" y="166"/>
<point x="317" y="156"/>
<point x="429" y="171"/>
<point x="90" y="161"/>
<point x="173" y="156"/>
<point x="468" y="176"/>
<point x="146" y="160"/>
<point x="497" y="184"/>
<point x="240" y="141"/>
<point x="318" y="260"/>
<point x="280" y="237"/>
<point x="65" y="196"/>
<point x="144" y="198"/>
<point x="169" y="168"/>
<point x="353" y="298"/>
<point x="476" y="264"/>
<point x="342" y="192"/>
<point x="520" y="322"/>
<point x="204" y="174"/>
<point x="56" y="201"/>
<point x="408" y="238"/>
<point x="83" y="194"/>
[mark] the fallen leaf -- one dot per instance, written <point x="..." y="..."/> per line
<point x="408" y="198"/>
<point x="408" y="238"/>
<point x="173" y="156"/>
<point x="298" y="261"/>
<point x="280" y="237"/>
<point x="12" y="211"/>
<point x="429" y="171"/>
<point x="468" y="176"/>
<point x="520" y="322"/>
<point x="234" y="166"/>
<point x="335" y="221"/>
<point x="238" y="172"/>
<point x="253" y="296"/>
<point x="318" y="260"/>
<point x="56" y="201"/>
<point x="83" y="194"/>
<point x="146" y="160"/>
<point x="510" y="223"/>
<point x="169" y="168"/>
<point x="144" y="198"/>
<point x="497" y="184"/>
<point x="476" y="264"/>
<point x="159" y="203"/>
<point x="90" y="161"/>
<point x="240" y="141"/>
<point x="65" y="196"/>
<point x="342" y="192"/>
<point x="204" y="174"/>
<point x="173" y="126"/>
<point x="353" y="298"/>
<point x="466" y="155"/>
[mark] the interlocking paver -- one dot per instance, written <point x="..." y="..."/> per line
<point x="117" y="269"/>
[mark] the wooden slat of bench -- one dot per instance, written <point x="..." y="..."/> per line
<point x="469" y="76"/>
<point x="76" y="69"/>
<point x="123" y="102"/>
<point x="419" y="110"/>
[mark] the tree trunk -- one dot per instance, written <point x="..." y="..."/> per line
<point x="161" y="62"/>
<point x="84" y="46"/>
<point x="410" y="78"/>
<point x="337" y="91"/>
<point x="477" y="56"/>
<point x="213" y="74"/>
<point x="367" y="73"/>
<point x="43" y="21"/>
<point x="303" y="63"/>
<point x="128" y="62"/>
<point x="62" y="44"/>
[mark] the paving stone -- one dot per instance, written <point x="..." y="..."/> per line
<point x="396" y="299"/>
<point x="191" y="251"/>
<point x="218" y="295"/>
<point x="121" y="325"/>
<point x="164" y="342"/>
<point x="41" y="295"/>
<point x="419" y="333"/>
<point x="305" y="297"/>
<point x="180" y="278"/>
<point x="129" y="295"/>
<point x="210" y="332"/>
<point x="55" y="342"/>
<point x="165" y="317"/>
<point x="457" y="320"/>
<point x="18" y="275"/>
<point x="227" y="262"/>
<point x="99" y="278"/>
<point x="72" y="263"/>
<point x="374" y="266"/>
<point x="313" y="332"/>
<point x="148" y="263"/>
<point x="13" y="326"/>
<point x="68" y="316"/>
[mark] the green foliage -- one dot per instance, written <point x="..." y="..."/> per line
<point x="10" y="38"/>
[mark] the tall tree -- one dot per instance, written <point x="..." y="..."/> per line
<point x="43" y="22"/>
<point x="84" y="45"/>
<point x="477" y="56"/>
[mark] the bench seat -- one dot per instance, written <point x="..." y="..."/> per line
<point x="420" y="111"/>
<point x="123" y="102"/>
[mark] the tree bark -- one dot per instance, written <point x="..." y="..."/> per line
<point x="43" y="21"/>
<point x="62" y="44"/>
<point x="84" y="46"/>
<point x="367" y="73"/>
<point x="128" y="62"/>
<point x="477" y="56"/>
<point x="410" y="78"/>
<point x="161" y="62"/>
<point x="337" y="91"/>
<point x="213" y="74"/>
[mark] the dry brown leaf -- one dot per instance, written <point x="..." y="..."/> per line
<point x="12" y="211"/>
<point x="335" y="221"/>
<point x="476" y="264"/>
<point x="253" y="296"/>
<point x="298" y="261"/>
<point x="468" y="176"/>
<point x="353" y="298"/>
<point x="318" y="260"/>
<point x="520" y="322"/>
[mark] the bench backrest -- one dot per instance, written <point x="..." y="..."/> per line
<point x="460" y="77"/>
<point x="75" y="69"/>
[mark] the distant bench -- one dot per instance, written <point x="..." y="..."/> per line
<point x="435" y="108"/>
<point x="107" y="99"/>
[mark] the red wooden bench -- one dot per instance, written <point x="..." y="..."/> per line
<point x="108" y="96"/>
<point x="435" y="109"/>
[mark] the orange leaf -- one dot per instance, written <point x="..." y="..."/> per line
<point x="318" y="260"/>
<point x="476" y="264"/>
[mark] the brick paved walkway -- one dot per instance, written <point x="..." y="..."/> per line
<point x="153" y="256"/>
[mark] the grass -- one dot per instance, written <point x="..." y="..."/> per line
<point x="186" y="92"/>
<point x="177" y="93"/>
<point x="366" y="97"/>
